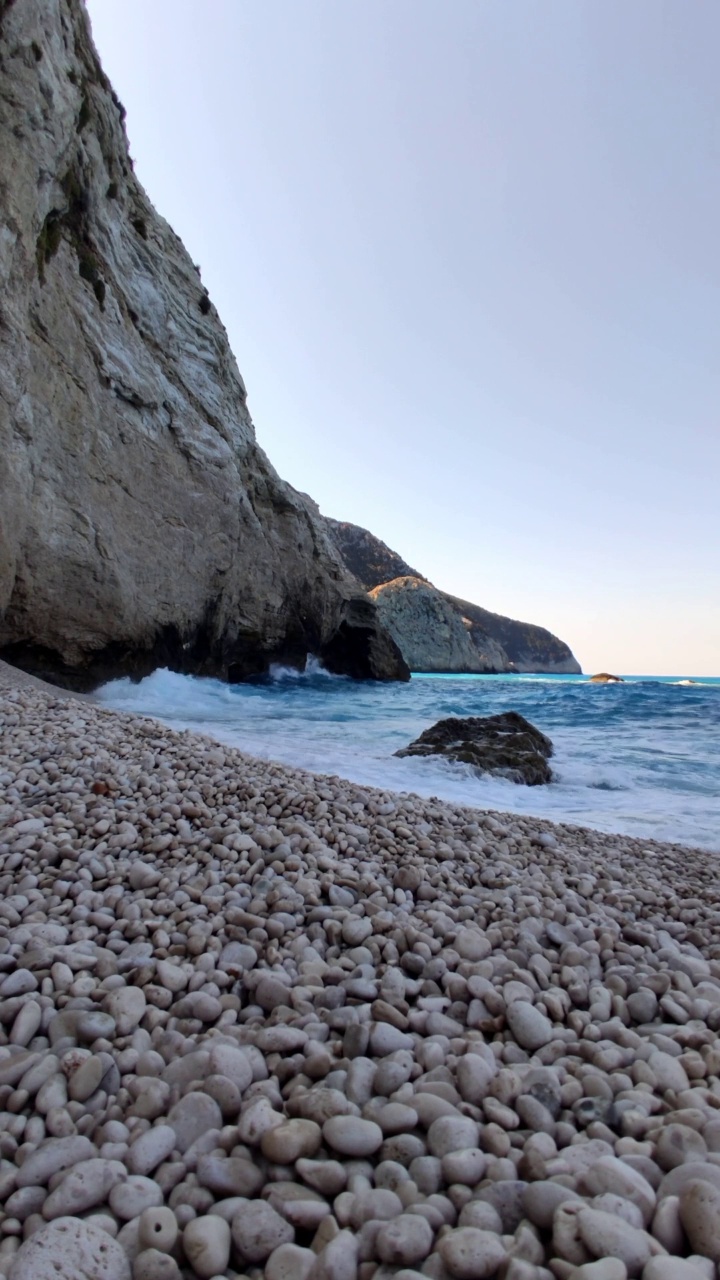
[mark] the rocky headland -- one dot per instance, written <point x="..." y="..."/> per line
<point x="436" y="631"/>
<point x="257" y="1023"/>
<point x="140" y="522"/>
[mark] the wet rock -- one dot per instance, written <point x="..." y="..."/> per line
<point x="506" y="745"/>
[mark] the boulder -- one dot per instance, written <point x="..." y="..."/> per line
<point x="604" y="677"/>
<point x="506" y="745"/>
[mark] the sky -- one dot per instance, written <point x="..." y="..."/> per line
<point x="467" y="257"/>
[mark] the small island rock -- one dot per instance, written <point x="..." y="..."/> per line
<point x="506" y="745"/>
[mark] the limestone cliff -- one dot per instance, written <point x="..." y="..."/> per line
<point x="368" y="559"/>
<point x="439" y="632"/>
<point x="140" y="522"/>
<point x="528" y="647"/>
<point x="431" y="634"/>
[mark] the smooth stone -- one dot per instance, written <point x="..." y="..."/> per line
<point x="329" y="1177"/>
<point x="85" y="1185"/>
<point x="668" y="1072"/>
<point x="642" y="1005"/>
<point x="452" y="1133"/>
<point x="26" y="1023"/>
<point x="130" y="1198"/>
<point x="471" y="944"/>
<point x="603" y="1269"/>
<point x="667" y="1225"/>
<point x="471" y="1254"/>
<point x="289" y="1262"/>
<point x="479" y="1213"/>
<point x="474" y="1075"/>
<point x="405" y="1240"/>
<point x="700" y="1216"/>
<point x="272" y="994"/>
<point x="678" y="1144"/>
<point x="529" y="1026"/>
<point x="612" y="1175"/>
<point x="386" y="1039"/>
<point x="226" y="1060"/>
<point x="376" y="1204"/>
<point x="151" y="1264"/>
<point x="206" y="1242"/>
<point x="694" y="1171"/>
<point x="86" y="1079"/>
<point x="150" y="1149"/>
<point x="158" y="1229"/>
<point x="229" y="1175"/>
<point x="19" y="983"/>
<point x="338" y="1260"/>
<point x="541" y="1199"/>
<point x="127" y="1006"/>
<point x="351" y="1136"/>
<point x="607" y="1236"/>
<point x="70" y="1249"/>
<point x="672" y="1269"/>
<point x="192" y="1117"/>
<point x="291" y="1141"/>
<point x="465" y="1167"/>
<point x="54" y="1154"/>
<point x="257" y="1230"/>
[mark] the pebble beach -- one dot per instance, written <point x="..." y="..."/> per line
<point x="256" y="1022"/>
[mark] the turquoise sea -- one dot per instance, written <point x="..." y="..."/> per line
<point x="641" y="757"/>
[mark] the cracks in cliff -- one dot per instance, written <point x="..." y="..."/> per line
<point x="72" y="223"/>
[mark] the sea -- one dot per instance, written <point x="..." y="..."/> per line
<point x="640" y="758"/>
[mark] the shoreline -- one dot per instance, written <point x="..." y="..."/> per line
<point x="13" y="677"/>
<point x="319" y="1031"/>
<point x="600" y="782"/>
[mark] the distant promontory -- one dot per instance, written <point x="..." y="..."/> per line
<point x="438" y="632"/>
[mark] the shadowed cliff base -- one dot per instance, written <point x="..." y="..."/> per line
<point x="356" y="649"/>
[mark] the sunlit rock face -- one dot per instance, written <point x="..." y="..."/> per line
<point x="439" y="632"/>
<point x="140" y="522"/>
<point x="431" y="634"/>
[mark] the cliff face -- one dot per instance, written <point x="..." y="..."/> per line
<point x="528" y="647"/>
<point x="367" y="558"/>
<point x="431" y="634"/>
<point x="140" y="522"/>
<point x="439" y="632"/>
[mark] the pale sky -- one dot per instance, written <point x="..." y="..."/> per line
<point x="467" y="255"/>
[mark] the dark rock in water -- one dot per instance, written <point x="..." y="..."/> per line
<point x="604" y="677"/>
<point x="506" y="745"/>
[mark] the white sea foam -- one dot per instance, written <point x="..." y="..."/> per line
<point x="645" y="762"/>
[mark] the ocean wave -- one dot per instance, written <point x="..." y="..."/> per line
<point x="644" y="763"/>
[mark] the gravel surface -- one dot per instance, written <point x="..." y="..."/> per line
<point x="255" y="1022"/>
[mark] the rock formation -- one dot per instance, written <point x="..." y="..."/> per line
<point x="506" y="745"/>
<point x="371" y="561"/>
<point x="527" y="646"/>
<point x="140" y="522"/>
<point x="431" y="634"/>
<point x="604" y="677"/>
<point x="437" y="631"/>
